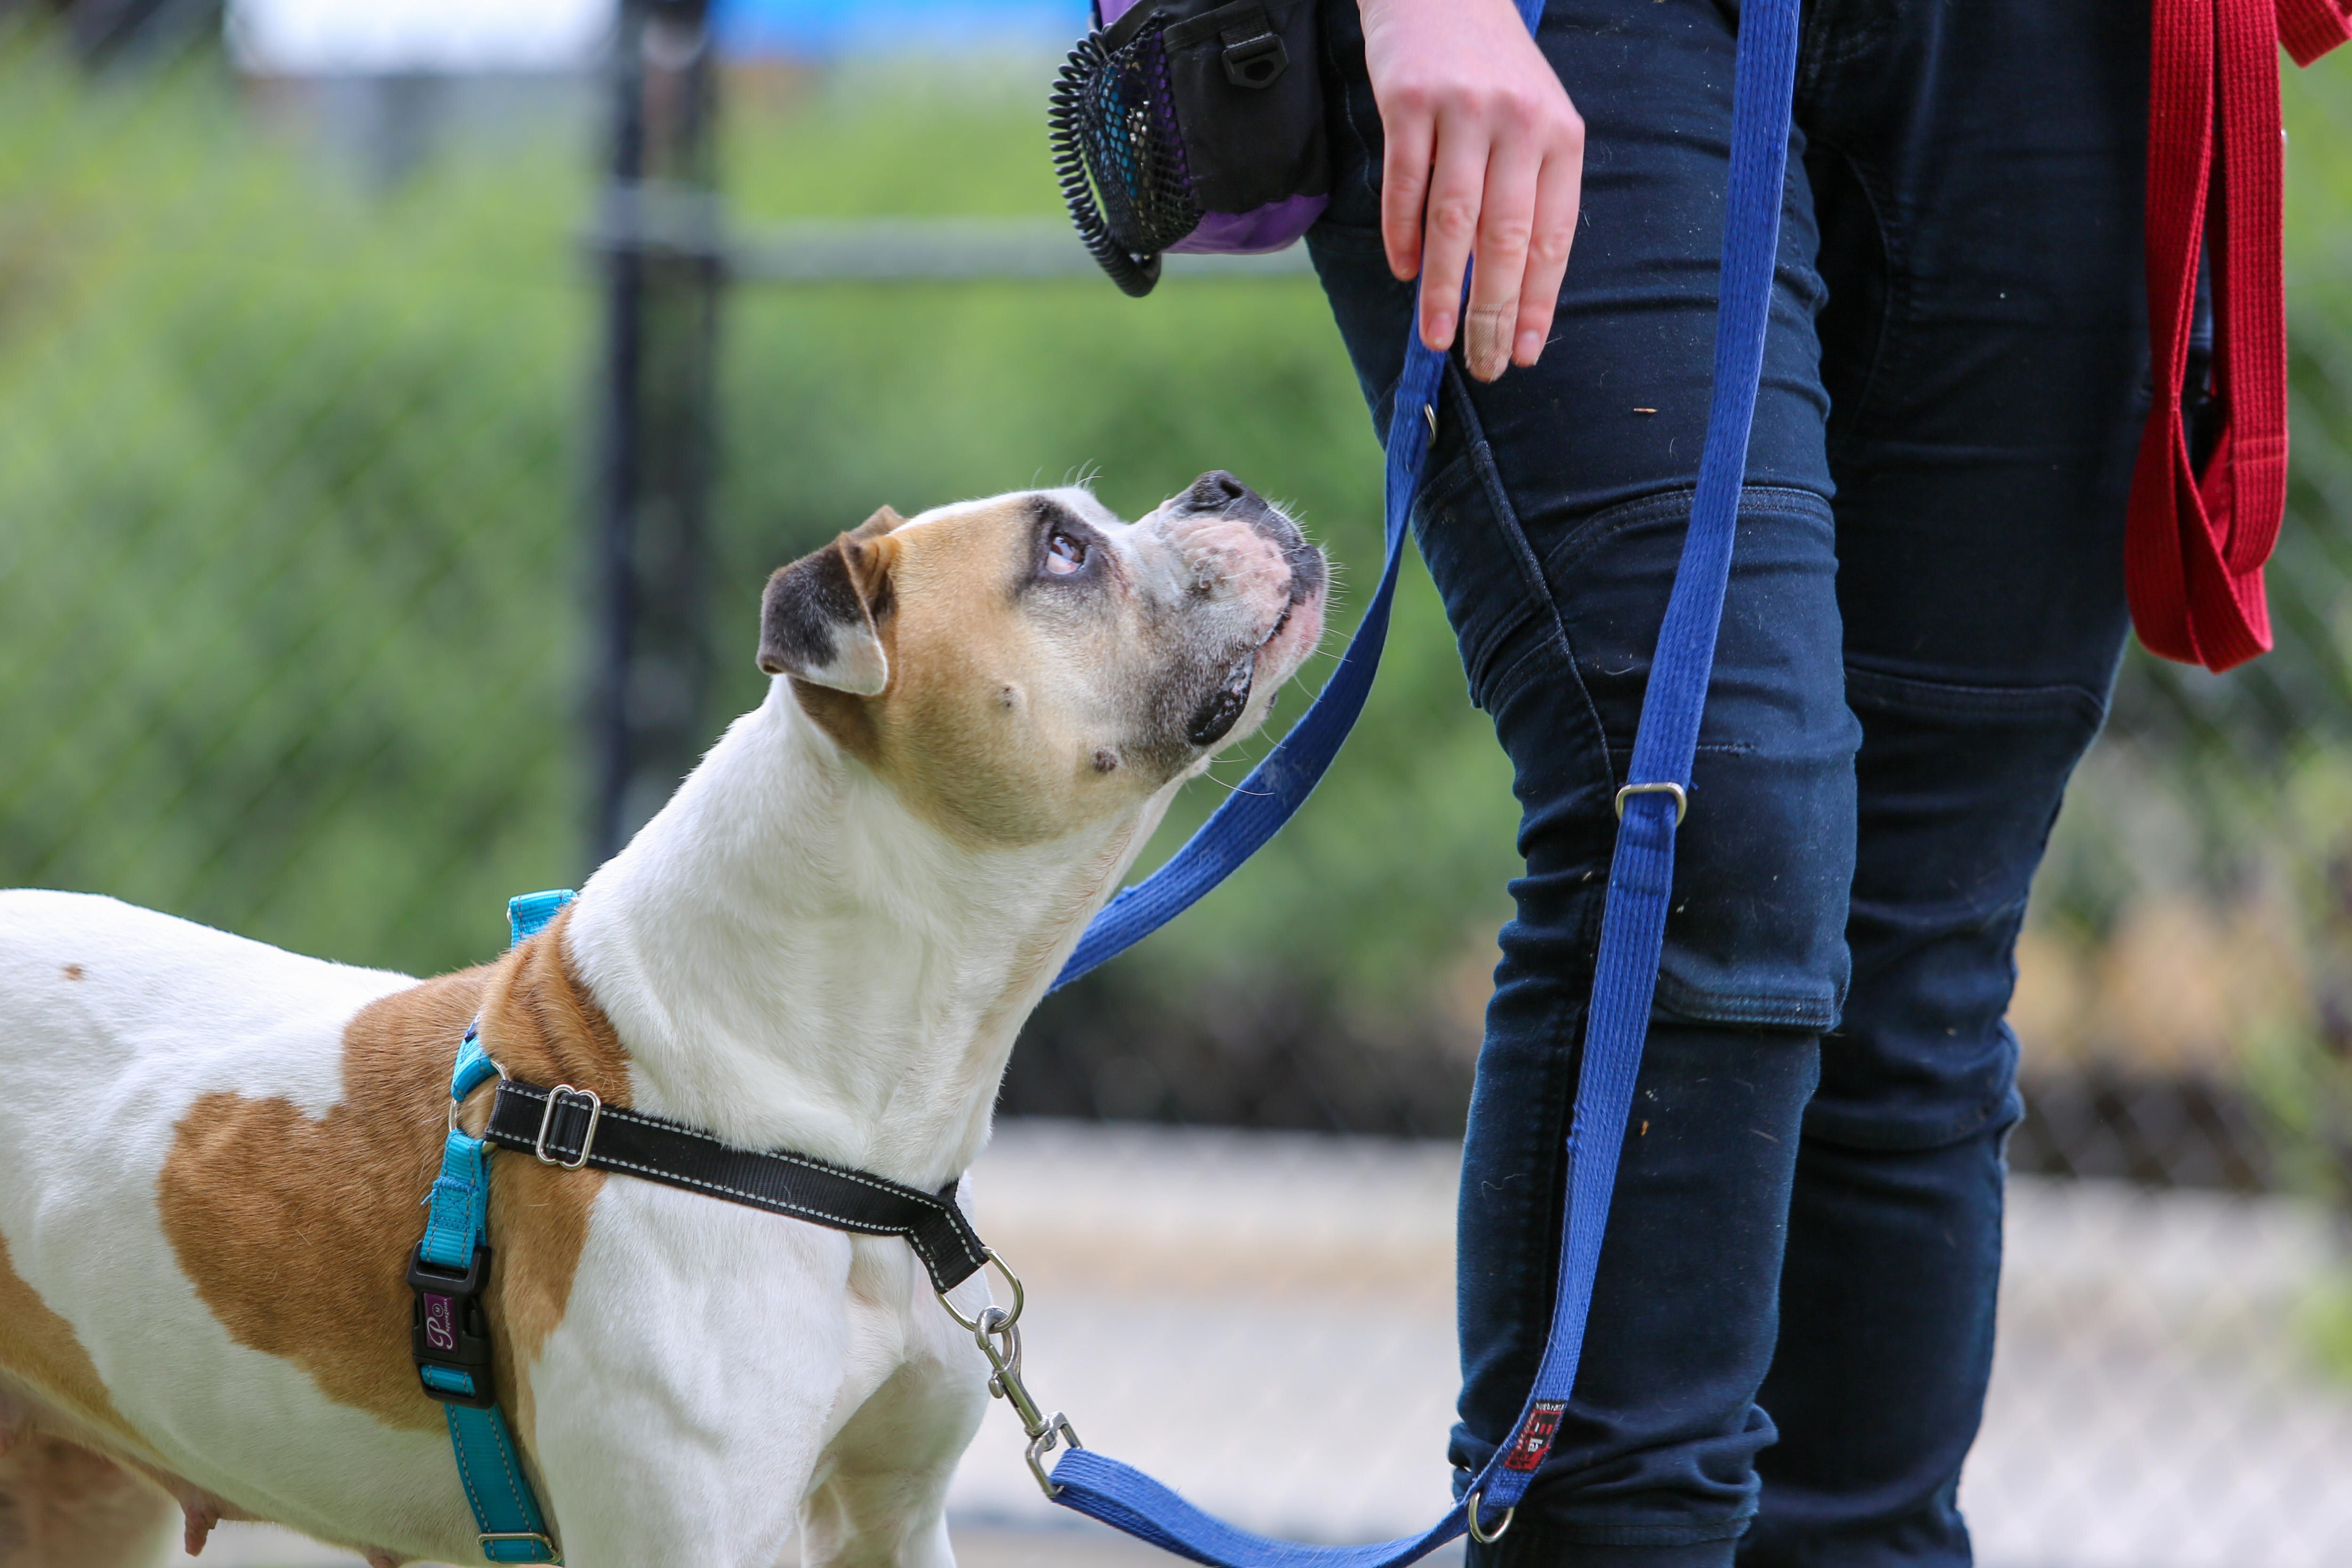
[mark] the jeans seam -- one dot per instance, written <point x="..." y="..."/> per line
<point x="1880" y="686"/>
<point x="1850" y="429"/>
<point x="1531" y="566"/>
<point x="1590" y="532"/>
<point x="1755" y="1009"/>
<point x="1898" y="310"/>
<point x="1337" y="85"/>
<point x="1822" y="1123"/>
<point x="1543" y="1206"/>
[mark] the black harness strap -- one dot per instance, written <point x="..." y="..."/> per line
<point x="577" y="1130"/>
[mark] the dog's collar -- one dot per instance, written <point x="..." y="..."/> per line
<point x="573" y="1128"/>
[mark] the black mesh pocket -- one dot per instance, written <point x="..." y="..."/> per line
<point x="1119" y="152"/>
<point x="1187" y="109"/>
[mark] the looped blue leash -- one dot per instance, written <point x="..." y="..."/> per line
<point x="1641" y="875"/>
<point x="449" y="1333"/>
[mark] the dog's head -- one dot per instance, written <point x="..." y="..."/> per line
<point x="1018" y="666"/>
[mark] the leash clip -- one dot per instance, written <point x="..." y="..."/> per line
<point x="1044" y="1432"/>
<point x="996" y="1330"/>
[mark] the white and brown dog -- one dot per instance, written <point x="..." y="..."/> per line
<point x="211" y="1152"/>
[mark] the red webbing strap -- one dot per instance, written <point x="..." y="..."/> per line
<point x="2195" y="544"/>
<point x="2309" y="28"/>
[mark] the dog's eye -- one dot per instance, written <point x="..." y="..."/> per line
<point x="1065" y="555"/>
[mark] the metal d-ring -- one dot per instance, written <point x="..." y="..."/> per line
<point x="456" y="1104"/>
<point x="1682" y="800"/>
<point x="1484" y="1537"/>
<point x="1010" y="1318"/>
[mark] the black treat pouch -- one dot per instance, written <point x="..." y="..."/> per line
<point x="1192" y="126"/>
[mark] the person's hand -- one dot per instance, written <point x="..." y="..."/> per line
<point x="1486" y="157"/>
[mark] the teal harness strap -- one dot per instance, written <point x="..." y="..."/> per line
<point x="449" y="1334"/>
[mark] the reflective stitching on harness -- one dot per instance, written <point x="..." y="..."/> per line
<point x="465" y="1469"/>
<point x="506" y="1461"/>
<point x="779" y="1205"/>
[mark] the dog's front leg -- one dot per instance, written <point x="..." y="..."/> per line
<point x="633" y="1485"/>
<point x="879" y="1497"/>
<point x="683" y="1401"/>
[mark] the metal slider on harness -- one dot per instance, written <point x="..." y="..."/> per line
<point x="1682" y="800"/>
<point x="587" y="1136"/>
<point x="527" y="1537"/>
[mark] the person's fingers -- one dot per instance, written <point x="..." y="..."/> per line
<point x="1505" y="225"/>
<point x="1411" y="127"/>
<point x="1450" y="226"/>
<point x="1558" y="195"/>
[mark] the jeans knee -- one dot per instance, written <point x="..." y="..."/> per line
<point x="1962" y="785"/>
<point x="1764" y="860"/>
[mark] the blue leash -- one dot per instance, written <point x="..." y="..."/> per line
<point x="1640" y="876"/>
<point x="1280" y="783"/>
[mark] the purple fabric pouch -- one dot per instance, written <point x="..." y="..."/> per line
<point x="1195" y="126"/>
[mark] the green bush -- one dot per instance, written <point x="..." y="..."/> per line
<point x="288" y="618"/>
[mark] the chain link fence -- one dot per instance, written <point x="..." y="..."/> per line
<point x="331" y="614"/>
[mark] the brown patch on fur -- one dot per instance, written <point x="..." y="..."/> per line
<point x="540" y="1023"/>
<point x="297" y="1233"/>
<point x="883" y="520"/>
<point x="847" y="718"/>
<point x="981" y="768"/>
<point x="73" y="972"/>
<point x="984" y="770"/>
<point x="63" y="1506"/>
<point x="43" y="1353"/>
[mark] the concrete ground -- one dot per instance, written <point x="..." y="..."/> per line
<point x="979" y="1546"/>
<point x="1265" y="1322"/>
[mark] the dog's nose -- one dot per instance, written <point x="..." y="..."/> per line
<point x="1218" y="494"/>
<point x="1218" y="490"/>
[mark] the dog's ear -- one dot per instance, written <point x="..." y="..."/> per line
<point x="820" y="619"/>
<point x="875" y="527"/>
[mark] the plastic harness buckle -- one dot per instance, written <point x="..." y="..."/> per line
<point x="449" y="1333"/>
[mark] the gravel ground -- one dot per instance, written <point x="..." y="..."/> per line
<point x="1265" y="1322"/>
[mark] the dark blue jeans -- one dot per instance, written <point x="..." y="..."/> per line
<point x="1793" y="1320"/>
